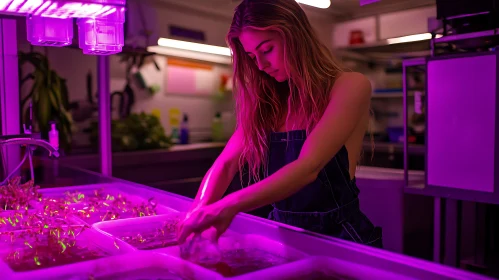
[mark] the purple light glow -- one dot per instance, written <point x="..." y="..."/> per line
<point x="45" y="31"/>
<point x="60" y="8"/>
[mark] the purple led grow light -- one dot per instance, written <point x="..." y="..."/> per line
<point x="46" y="31"/>
<point x="62" y="8"/>
<point x="101" y="36"/>
<point x="49" y="22"/>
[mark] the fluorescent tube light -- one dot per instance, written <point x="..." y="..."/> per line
<point x="196" y="47"/>
<point x="60" y="8"/>
<point x="411" y="38"/>
<point x="321" y="4"/>
<point x="221" y="59"/>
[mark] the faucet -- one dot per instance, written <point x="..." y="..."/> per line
<point x="27" y="138"/>
<point x="32" y="142"/>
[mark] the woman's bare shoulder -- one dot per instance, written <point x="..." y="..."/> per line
<point x="352" y="81"/>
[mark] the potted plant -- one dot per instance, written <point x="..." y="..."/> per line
<point x="49" y="97"/>
<point x="137" y="132"/>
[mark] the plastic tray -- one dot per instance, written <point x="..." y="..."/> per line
<point x="133" y="266"/>
<point x="319" y="268"/>
<point x="152" y="230"/>
<point x="88" y="191"/>
<point x="91" y="239"/>
<point x="82" y="209"/>
<point x="234" y="246"/>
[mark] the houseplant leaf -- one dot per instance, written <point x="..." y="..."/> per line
<point x="50" y="97"/>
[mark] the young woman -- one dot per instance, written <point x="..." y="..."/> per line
<point x="300" y="119"/>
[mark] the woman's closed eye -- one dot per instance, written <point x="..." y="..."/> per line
<point x="268" y="50"/>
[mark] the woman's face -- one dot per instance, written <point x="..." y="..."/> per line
<point x="266" y="49"/>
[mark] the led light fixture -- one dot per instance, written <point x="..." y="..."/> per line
<point x="46" y="31"/>
<point x="102" y="36"/>
<point x="49" y="22"/>
<point x="60" y="8"/>
<point x="220" y="59"/>
<point x="411" y="38"/>
<point x="196" y="47"/>
<point x="322" y="4"/>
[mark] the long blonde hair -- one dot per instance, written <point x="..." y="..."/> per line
<point x="261" y="101"/>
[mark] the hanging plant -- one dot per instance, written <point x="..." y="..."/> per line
<point x="49" y="96"/>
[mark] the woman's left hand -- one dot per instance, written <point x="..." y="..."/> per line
<point x="215" y="215"/>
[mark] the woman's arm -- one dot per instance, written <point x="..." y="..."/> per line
<point x="350" y="99"/>
<point x="218" y="178"/>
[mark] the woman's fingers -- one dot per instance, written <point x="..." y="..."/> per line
<point x="183" y="233"/>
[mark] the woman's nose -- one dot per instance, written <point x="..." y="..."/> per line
<point x="262" y="63"/>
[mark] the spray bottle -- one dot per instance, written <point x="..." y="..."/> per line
<point x="54" y="136"/>
<point x="184" y="130"/>
<point x="217" y="128"/>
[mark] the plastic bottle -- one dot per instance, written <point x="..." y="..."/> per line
<point x="175" y="135"/>
<point x="217" y="129"/>
<point x="174" y="122"/>
<point x="54" y="136"/>
<point x="184" y="130"/>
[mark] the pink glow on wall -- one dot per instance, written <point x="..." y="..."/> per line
<point x="180" y="80"/>
<point x="61" y="9"/>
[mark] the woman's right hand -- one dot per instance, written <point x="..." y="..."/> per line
<point x="194" y="206"/>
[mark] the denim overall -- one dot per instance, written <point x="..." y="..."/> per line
<point x="329" y="205"/>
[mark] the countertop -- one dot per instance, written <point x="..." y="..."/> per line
<point x="195" y="146"/>
<point x="379" y="173"/>
<point x="212" y="149"/>
<point x="386" y="147"/>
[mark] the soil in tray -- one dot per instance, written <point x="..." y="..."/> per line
<point x="237" y="262"/>
<point x="45" y="256"/>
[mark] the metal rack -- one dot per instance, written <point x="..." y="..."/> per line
<point x="9" y="87"/>
<point x="9" y="97"/>
<point x="448" y="201"/>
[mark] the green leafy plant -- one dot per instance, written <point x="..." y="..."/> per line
<point x="135" y="132"/>
<point x="49" y="96"/>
